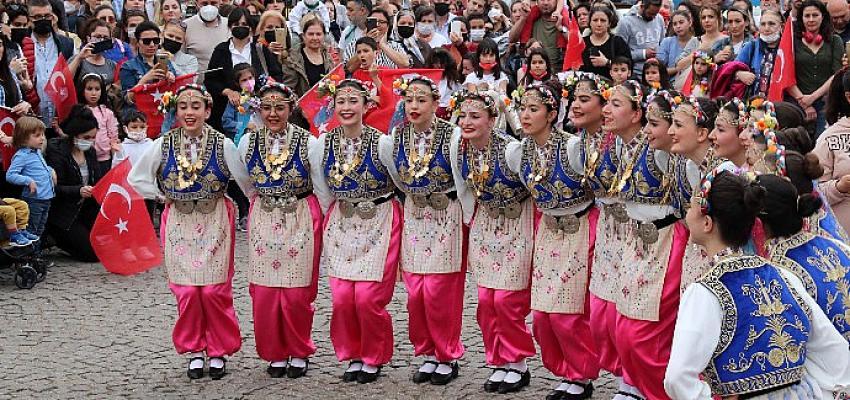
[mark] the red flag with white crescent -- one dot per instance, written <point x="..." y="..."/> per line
<point x="7" y="128"/>
<point x="784" y="73"/>
<point x="123" y="236"/>
<point x="60" y="88"/>
<point x="147" y="98"/>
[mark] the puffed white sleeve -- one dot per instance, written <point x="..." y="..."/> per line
<point x="385" y="154"/>
<point x="316" y="155"/>
<point x="242" y="147"/>
<point x="695" y="338"/>
<point x="513" y="155"/>
<point x="662" y="160"/>
<point x="142" y="176"/>
<point x="464" y="195"/>
<point x="827" y="354"/>
<point x="574" y="154"/>
<point x="238" y="171"/>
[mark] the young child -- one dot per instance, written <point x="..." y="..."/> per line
<point x="136" y="142"/>
<point x="488" y="74"/>
<point x="235" y="120"/>
<point x="30" y="170"/>
<point x="467" y="66"/>
<point x="655" y="75"/>
<point x="15" y="215"/>
<point x="366" y="52"/>
<point x="699" y="81"/>
<point x="92" y="92"/>
<point x="621" y="69"/>
<point x="537" y="68"/>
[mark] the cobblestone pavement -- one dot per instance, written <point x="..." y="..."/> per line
<point x="85" y="333"/>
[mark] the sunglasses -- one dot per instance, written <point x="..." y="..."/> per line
<point x="150" y="41"/>
<point x="107" y="19"/>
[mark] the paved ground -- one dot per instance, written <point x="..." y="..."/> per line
<point x="85" y="333"/>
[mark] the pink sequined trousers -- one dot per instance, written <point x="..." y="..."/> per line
<point x="435" y="313"/>
<point x="644" y="346"/>
<point x="361" y="327"/>
<point x="567" y="346"/>
<point x="283" y="317"/>
<point x="501" y="317"/>
<point x="206" y="320"/>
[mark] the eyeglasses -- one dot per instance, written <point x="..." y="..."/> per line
<point x="40" y="17"/>
<point x="150" y="41"/>
<point x="108" y="19"/>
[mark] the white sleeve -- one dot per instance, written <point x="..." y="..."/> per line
<point x="294" y="23"/>
<point x="386" y="145"/>
<point x="316" y="154"/>
<point x="464" y="195"/>
<point x="242" y="148"/>
<point x="142" y="176"/>
<point x="695" y="338"/>
<point x="574" y="154"/>
<point x="513" y="155"/>
<point x="662" y="160"/>
<point x="238" y="171"/>
<point x="827" y="354"/>
<point x="694" y="175"/>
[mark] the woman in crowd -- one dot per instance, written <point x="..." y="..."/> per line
<point x="197" y="228"/>
<point x="173" y="37"/>
<point x="500" y="239"/>
<point x="550" y="164"/>
<point x="680" y="44"/>
<point x="817" y="56"/>
<point x="140" y="70"/>
<point x="265" y="31"/>
<point x="307" y="62"/>
<point x="362" y="236"/>
<point x="390" y="53"/>
<point x="121" y="49"/>
<point x="738" y="29"/>
<point x="712" y="22"/>
<point x="715" y="342"/>
<point x="418" y="158"/>
<point x="403" y="34"/>
<point x="832" y="150"/>
<point x="693" y="9"/>
<point x="285" y="236"/>
<point x="88" y="62"/>
<point x="73" y="158"/>
<point x="601" y="46"/>
<point x="130" y="19"/>
<point x="168" y="10"/>
<point x="240" y="48"/>
<point x="760" y="55"/>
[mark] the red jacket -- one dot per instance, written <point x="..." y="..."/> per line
<point x="527" y="29"/>
<point x="28" y="48"/>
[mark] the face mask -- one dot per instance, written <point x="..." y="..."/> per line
<point x="18" y="34"/>
<point x="770" y="39"/>
<point x="208" y="13"/>
<point x="311" y="3"/>
<point x="487" y="67"/>
<point x="269" y="36"/>
<point x="136" y="136"/>
<point x="42" y="27"/>
<point x="476" y="35"/>
<point x="537" y="75"/>
<point x="83" y="144"/>
<point x="425" y="29"/>
<point x="171" y="46"/>
<point x="441" y="8"/>
<point x="248" y="85"/>
<point x="131" y="32"/>
<point x="405" y="31"/>
<point x="240" y="32"/>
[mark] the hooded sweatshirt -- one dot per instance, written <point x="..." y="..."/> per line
<point x="833" y="151"/>
<point x="640" y="35"/>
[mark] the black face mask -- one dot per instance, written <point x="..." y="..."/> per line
<point x="405" y="31"/>
<point x="269" y="36"/>
<point x="441" y="8"/>
<point x="171" y="46"/>
<point x="240" y="32"/>
<point x="42" y="27"/>
<point x="18" y="34"/>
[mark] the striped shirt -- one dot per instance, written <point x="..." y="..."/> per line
<point x="382" y="60"/>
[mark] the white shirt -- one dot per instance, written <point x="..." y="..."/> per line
<point x="301" y="9"/>
<point x="132" y="150"/>
<point x="240" y="56"/>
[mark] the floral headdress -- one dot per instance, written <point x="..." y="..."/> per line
<point x="623" y="88"/>
<point x="692" y="101"/>
<point x="570" y="82"/>
<point x="702" y="55"/>
<point x="655" y="111"/>
<point x="766" y="128"/>
<point x="539" y="92"/>
<point x="462" y="96"/>
<point x="168" y="101"/>
<point x="288" y="95"/>
<point x="327" y="86"/>
<point x="402" y="84"/>
<point x="743" y="115"/>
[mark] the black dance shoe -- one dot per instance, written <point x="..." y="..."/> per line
<point x="297" y="372"/>
<point x="586" y="394"/>
<point x="276" y="372"/>
<point x="490" y="386"/>
<point x="422" y="377"/>
<point x="443" y="379"/>
<point x="351" y="376"/>
<point x="506" y="387"/>
<point x="218" y="373"/>
<point x="195" y="373"/>
<point x="368" y="377"/>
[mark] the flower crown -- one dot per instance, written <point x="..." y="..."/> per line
<point x="461" y="96"/>
<point x="667" y="97"/>
<point x="168" y="100"/>
<point x="402" y="84"/>
<point x="701" y="55"/>
<point x="570" y="81"/>
<point x="698" y="114"/>
<point x="542" y="94"/>
<point x="743" y="115"/>
<point x="327" y="86"/>
<point x="288" y="95"/>
<point x="765" y="127"/>
<point x="637" y="97"/>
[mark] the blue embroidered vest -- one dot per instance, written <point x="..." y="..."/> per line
<point x="439" y="176"/>
<point x="369" y="179"/>
<point x="765" y="327"/>
<point x="289" y="178"/>
<point x="646" y="183"/>
<point x="209" y="181"/>
<point x="828" y="225"/>
<point x="601" y="165"/>
<point x="680" y="195"/>
<point x="824" y="267"/>
<point x="502" y="187"/>
<point x="560" y="186"/>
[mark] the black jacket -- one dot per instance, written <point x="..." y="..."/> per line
<point x="68" y="205"/>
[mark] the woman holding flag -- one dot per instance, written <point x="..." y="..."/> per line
<point x="188" y="168"/>
<point x="417" y="156"/>
<point x="285" y="236"/>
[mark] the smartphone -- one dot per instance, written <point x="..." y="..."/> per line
<point x="162" y="61"/>
<point x="191" y="10"/>
<point x="280" y="35"/>
<point x="456" y="27"/>
<point x="101" y="46"/>
<point x="371" y="23"/>
<point x="595" y="52"/>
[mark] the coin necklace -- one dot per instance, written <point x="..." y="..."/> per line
<point x="340" y="171"/>
<point x="591" y="150"/>
<point x="623" y="175"/>
<point x="279" y="155"/>
<point x="188" y="165"/>
<point x="418" y="165"/>
<point x="479" y="170"/>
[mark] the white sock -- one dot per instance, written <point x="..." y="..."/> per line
<point x="354" y="367"/>
<point x="216" y="363"/>
<point x="370" y="369"/>
<point x="199" y="363"/>
<point x="498" y="375"/>
<point x="519" y="366"/>
<point x="279" y="364"/>
<point x="576" y="389"/>
<point x="444" y="369"/>
<point x="563" y="387"/>
<point x="298" y="362"/>
<point x="427" y="367"/>
<point x="512" y="377"/>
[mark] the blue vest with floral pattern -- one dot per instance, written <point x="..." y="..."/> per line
<point x="439" y="176"/>
<point x="293" y="178"/>
<point x="210" y="180"/>
<point x="602" y="174"/>
<point x="503" y="187"/>
<point x="646" y="183"/>
<point x="560" y="186"/>
<point x="370" y="179"/>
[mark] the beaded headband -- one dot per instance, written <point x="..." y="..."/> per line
<point x="401" y="86"/>
<point x="692" y="101"/>
<point x="288" y="96"/>
<point x="571" y="81"/>
<point x="537" y="92"/>
<point x="765" y="127"/>
<point x="464" y="99"/>
<point x="654" y="111"/>
<point x="622" y="88"/>
<point x="186" y="91"/>
<point x="743" y="115"/>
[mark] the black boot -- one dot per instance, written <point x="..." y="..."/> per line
<point x="195" y="373"/>
<point x="422" y="377"/>
<point x="218" y="373"/>
<point x="506" y="387"/>
<point x="444" y="379"/>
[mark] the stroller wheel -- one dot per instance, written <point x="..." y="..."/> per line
<point x="26" y="277"/>
<point x="40" y="271"/>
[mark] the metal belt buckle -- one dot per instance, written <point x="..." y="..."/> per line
<point x="288" y="204"/>
<point x="493" y="211"/>
<point x="267" y="203"/>
<point x="513" y="211"/>
<point x="648" y="232"/>
<point x="206" y="206"/>
<point x="419" y="200"/>
<point x="184" y="206"/>
<point x="439" y="201"/>
<point x="551" y="222"/>
<point x="570" y="224"/>
<point x="346" y="208"/>
<point x="366" y="209"/>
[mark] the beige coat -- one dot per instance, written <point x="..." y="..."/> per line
<point x="833" y="150"/>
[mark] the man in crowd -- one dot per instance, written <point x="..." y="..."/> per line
<point x="204" y="31"/>
<point x="643" y="33"/>
<point x="839" y="11"/>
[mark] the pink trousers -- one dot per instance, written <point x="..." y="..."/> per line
<point x="361" y="327"/>
<point x="644" y="346"/>
<point x="566" y="344"/>
<point x="435" y="313"/>
<point x="206" y="320"/>
<point x="501" y="317"/>
<point x="603" y="321"/>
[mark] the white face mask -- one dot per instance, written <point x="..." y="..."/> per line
<point x="425" y="29"/>
<point x="770" y="39"/>
<point x="476" y="35"/>
<point x="83" y="144"/>
<point x="311" y="3"/>
<point x="208" y="13"/>
<point x="131" y="32"/>
<point x="136" y="136"/>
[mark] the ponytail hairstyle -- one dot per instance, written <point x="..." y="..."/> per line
<point x="802" y="170"/>
<point x="796" y="139"/>
<point x="733" y="203"/>
<point x="837" y="105"/>
<point x="784" y="209"/>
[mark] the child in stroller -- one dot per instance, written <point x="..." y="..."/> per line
<point x="16" y="246"/>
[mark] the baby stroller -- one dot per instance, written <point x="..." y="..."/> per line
<point x="28" y="269"/>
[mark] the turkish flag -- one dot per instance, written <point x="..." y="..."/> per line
<point x="60" y="88"/>
<point x="123" y="236"/>
<point x="390" y="111"/>
<point x="784" y="72"/>
<point x="147" y="99"/>
<point x="7" y="127"/>
<point x="317" y="109"/>
<point x="575" y="43"/>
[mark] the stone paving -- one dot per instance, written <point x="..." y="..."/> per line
<point x="85" y="333"/>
